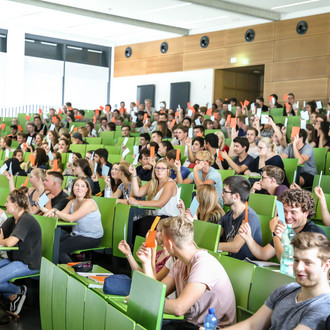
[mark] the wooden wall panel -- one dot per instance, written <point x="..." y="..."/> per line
<point x="263" y="32"/>
<point x="242" y="81"/>
<point x="204" y="59"/>
<point x="160" y="64"/>
<point x="131" y="68"/>
<point x="254" y="54"/>
<point x="314" y="67"/>
<point x="269" y="89"/>
<point x="192" y="43"/>
<point x="317" y="24"/>
<point x="229" y="78"/>
<point x="313" y="46"/>
<point x="269" y="71"/>
<point x="308" y="89"/>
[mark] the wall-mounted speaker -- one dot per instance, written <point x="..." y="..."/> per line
<point x="204" y="41"/>
<point x="250" y="35"/>
<point x="128" y="52"/>
<point x="164" y="47"/>
<point x="302" y="27"/>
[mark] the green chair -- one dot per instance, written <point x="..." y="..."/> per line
<point x="45" y="293"/>
<point x="327" y="164"/>
<point x="120" y="222"/>
<point x="265" y="230"/>
<point x="290" y="166"/>
<point x="182" y="151"/>
<point x="4" y="192"/>
<point x="75" y="304"/>
<point x="4" y="182"/>
<point x="114" y="158"/>
<point x="130" y="141"/>
<point x="320" y="154"/>
<point x="263" y="204"/>
<point x="186" y="193"/>
<point x="20" y="180"/>
<point x="95" y="311"/>
<point x="326" y="230"/>
<point x="137" y="243"/>
<point x="294" y="120"/>
<point x="94" y="147"/>
<point x="318" y="214"/>
<point x="58" y="296"/>
<point x="109" y="141"/>
<point x="114" y="150"/>
<point x="81" y="148"/>
<point x="264" y="282"/>
<point x="325" y="183"/>
<point x="107" y="134"/>
<point x="240" y="273"/>
<point x="146" y="301"/>
<point x="207" y="235"/>
<point x="226" y="173"/>
<point x="276" y="112"/>
<point x="94" y="140"/>
<point x="115" y="319"/>
<point x="107" y="208"/>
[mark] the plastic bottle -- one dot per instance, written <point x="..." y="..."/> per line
<point x="211" y="321"/>
<point x="70" y="186"/>
<point x="287" y="255"/>
<point x="107" y="191"/>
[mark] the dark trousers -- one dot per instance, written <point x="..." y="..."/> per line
<point x="178" y="325"/>
<point x="70" y="244"/>
<point x="141" y="226"/>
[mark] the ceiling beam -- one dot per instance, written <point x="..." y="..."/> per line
<point x="237" y="9"/>
<point x="105" y="17"/>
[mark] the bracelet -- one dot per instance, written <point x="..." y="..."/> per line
<point x="134" y="176"/>
<point x="129" y="255"/>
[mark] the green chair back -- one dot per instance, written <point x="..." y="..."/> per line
<point x="94" y="147"/>
<point x="114" y="158"/>
<point x="4" y="192"/>
<point x="75" y="303"/>
<point x="318" y="213"/>
<point x="120" y="222"/>
<point x="94" y="140"/>
<point x="115" y="319"/>
<point x="137" y="243"/>
<point x="240" y="273"/>
<point x="48" y="226"/>
<point x="290" y="166"/>
<point x="20" y="180"/>
<point x="114" y="150"/>
<point x="207" y="235"/>
<point x="95" y="311"/>
<point x="265" y="230"/>
<point x="327" y="164"/>
<point x="45" y="293"/>
<point x="325" y="183"/>
<point x="81" y="148"/>
<point x="59" y="293"/>
<point x="294" y="120"/>
<point x="4" y="182"/>
<point x="186" y="193"/>
<point x="263" y="204"/>
<point x="226" y="173"/>
<point x="264" y="282"/>
<point x="320" y="154"/>
<point x="146" y="301"/>
<point x="326" y="230"/>
<point x="120" y="140"/>
<point x="275" y="112"/>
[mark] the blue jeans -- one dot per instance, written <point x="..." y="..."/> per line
<point x="10" y="269"/>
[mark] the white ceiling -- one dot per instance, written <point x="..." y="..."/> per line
<point x="196" y="16"/>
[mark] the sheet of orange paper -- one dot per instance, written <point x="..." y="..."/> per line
<point x="32" y="159"/>
<point x="233" y="122"/>
<point x="295" y="131"/>
<point x="152" y="152"/>
<point x="178" y="154"/>
<point x="26" y="182"/>
<point x="246" y="212"/>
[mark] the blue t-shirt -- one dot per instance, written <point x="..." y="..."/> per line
<point x="184" y="173"/>
<point x="213" y="175"/>
<point x="288" y="313"/>
<point x="231" y="226"/>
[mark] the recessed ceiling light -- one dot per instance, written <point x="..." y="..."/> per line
<point x="256" y="71"/>
<point x="294" y="4"/>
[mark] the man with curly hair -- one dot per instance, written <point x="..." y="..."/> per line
<point x="298" y="206"/>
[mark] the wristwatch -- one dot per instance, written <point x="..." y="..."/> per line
<point x="55" y="210"/>
<point x="273" y="234"/>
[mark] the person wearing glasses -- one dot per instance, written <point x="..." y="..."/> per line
<point x="203" y="173"/>
<point x="161" y="191"/>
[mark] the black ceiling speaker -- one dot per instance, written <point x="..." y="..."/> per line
<point x="204" y="41"/>
<point x="164" y="47"/>
<point x="250" y="35"/>
<point x="128" y="52"/>
<point x="302" y="27"/>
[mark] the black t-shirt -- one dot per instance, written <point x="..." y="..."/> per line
<point x="28" y="231"/>
<point x="144" y="175"/>
<point x="59" y="202"/>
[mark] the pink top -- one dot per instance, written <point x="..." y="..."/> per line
<point x="219" y="293"/>
<point x="161" y="264"/>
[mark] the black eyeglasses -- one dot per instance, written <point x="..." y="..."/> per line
<point x="227" y="192"/>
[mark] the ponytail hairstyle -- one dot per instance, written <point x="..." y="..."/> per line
<point x="20" y="197"/>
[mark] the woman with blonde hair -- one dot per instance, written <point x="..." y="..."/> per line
<point x="222" y="141"/>
<point x="83" y="131"/>
<point x="209" y="208"/>
<point x="161" y="192"/>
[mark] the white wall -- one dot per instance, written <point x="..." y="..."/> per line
<point x="201" y="87"/>
<point x="3" y="78"/>
<point x="85" y="85"/>
<point x="42" y="81"/>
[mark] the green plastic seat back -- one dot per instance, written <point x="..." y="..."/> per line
<point x="325" y="183"/>
<point x="276" y="112"/>
<point x="186" y="193"/>
<point x="94" y="147"/>
<point x="264" y="282"/>
<point x="60" y="285"/>
<point x="114" y="158"/>
<point x="75" y="303"/>
<point x="107" y="209"/>
<point x="290" y="166"/>
<point x="48" y="226"/>
<point x="263" y="204"/>
<point x="95" y="311"/>
<point x="130" y="141"/>
<point x="20" y="180"/>
<point x="4" y="182"/>
<point x="45" y="293"/>
<point x="318" y="213"/>
<point x="115" y="319"/>
<point x="120" y="222"/>
<point x="113" y="150"/>
<point x="226" y="173"/>
<point x="240" y="273"/>
<point x="94" y="140"/>
<point x="207" y="235"/>
<point x="137" y="243"/>
<point x="320" y="154"/>
<point x="294" y="120"/>
<point x="265" y="230"/>
<point x="107" y="134"/>
<point x="146" y="301"/>
<point x="327" y="164"/>
<point x="4" y="192"/>
<point x="81" y="148"/>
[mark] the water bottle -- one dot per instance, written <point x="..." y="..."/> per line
<point x="70" y="186"/>
<point x="287" y="255"/>
<point x="107" y="191"/>
<point x="211" y="321"/>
